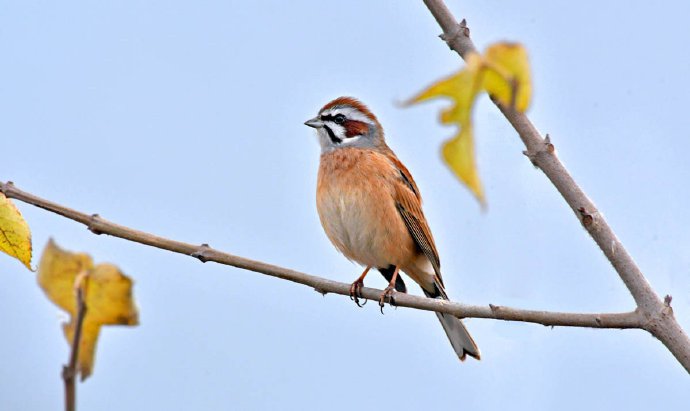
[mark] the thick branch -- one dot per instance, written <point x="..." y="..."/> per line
<point x="205" y="253"/>
<point x="659" y="318"/>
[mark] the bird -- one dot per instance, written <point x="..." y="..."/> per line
<point x="371" y="210"/>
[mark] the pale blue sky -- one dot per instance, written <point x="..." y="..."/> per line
<point x="184" y="119"/>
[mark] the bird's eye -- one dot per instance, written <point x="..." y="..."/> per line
<point x="339" y="119"/>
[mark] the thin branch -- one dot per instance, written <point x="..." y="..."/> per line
<point x="69" y="371"/>
<point x="98" y="225"/>
<point x="658" y="316"/>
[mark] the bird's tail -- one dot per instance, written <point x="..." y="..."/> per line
<point x="459" y="337"/>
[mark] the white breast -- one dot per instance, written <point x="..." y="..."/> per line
<point x="350" y="224"/>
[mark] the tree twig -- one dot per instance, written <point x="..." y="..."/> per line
<point x="657" y="316"/>
<point x="203" y="252"/>
<point x="69" y="371"/>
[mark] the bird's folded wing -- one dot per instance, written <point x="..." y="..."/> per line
<point x="409" y="204"/>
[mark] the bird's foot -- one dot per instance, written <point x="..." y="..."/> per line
<point x="356" y="292"/>
<point x="387" y="296"/>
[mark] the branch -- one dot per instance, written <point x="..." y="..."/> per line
<point x="69" y="371"/>
<point x="204" y="253"/>
<point x="657" y="315"/>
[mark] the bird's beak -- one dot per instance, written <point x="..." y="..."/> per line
<point x="314" y="122"/>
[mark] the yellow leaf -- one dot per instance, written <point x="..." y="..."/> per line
<point x="458" y="152"/>
<point x="460" y="86"/>
<point x="109" y="297"/>
<point x="90" y="331"/>
<point x="107" y="292"/>
<point x="503" y="71"/>
<point x="57" y="273"/>
<point x="507" y="75"/>
<point x="15" y="236"/>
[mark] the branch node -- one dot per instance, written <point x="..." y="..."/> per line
<point x="459" y="29"/>
<point x="586" y="218"/>
<point x="93" y="222"/>
<point x="598" y="320"/>
<point x="201" y="253"/>
<point x="4" y="187"/>
<point x="494" y="308"/>
<point x="68" y="372"/>
<point x="320" y="291"/>
<point x="532" y="157"/>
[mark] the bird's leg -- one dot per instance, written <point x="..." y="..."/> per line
<point x="356" y="288"/>
<point x="389" y="291"/>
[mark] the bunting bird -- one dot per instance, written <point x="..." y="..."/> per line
<point x="371" y="210"/>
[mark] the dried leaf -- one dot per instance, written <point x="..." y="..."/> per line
<point x="503" y="71"/>
<point x="15" y="236"/>
<point x="108" y="297"/>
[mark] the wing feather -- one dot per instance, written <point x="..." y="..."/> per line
<point x="409" y="204"/>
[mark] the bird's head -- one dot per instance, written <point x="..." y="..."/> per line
<point x="346" y="122"/>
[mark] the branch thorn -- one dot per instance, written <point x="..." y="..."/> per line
<point x="465" y="29"/>
<point x="549" y="146"/>
<point x="667" y="300"/>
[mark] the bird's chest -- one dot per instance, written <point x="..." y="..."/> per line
<point x="347" y="215"/>
<point x="355" y="204"/>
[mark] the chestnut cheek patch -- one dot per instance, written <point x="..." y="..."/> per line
<point x="354" y="128"/>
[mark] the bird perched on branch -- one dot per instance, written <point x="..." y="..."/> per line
<point x="371" y="210"/>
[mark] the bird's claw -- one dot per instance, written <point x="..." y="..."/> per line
<point x="387" y="295"/>
<point x="356" y="293"/>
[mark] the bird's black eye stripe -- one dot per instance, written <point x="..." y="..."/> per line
<point x="337" y="119"/>
<point x="331" y="135"/>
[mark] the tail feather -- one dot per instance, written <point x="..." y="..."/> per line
<point x="459" y="337"/>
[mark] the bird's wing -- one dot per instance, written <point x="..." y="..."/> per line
<point x="409" y="204"/>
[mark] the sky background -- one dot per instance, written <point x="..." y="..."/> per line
<point x="184" y="119"/>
